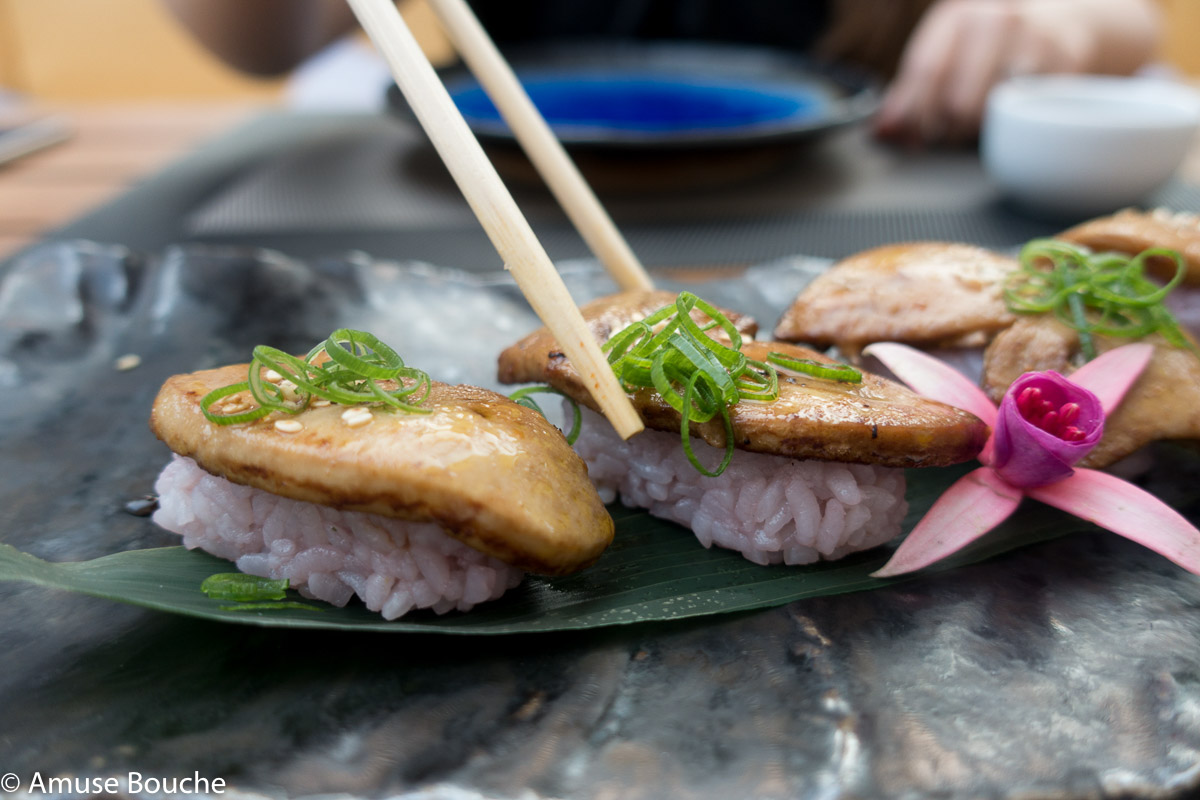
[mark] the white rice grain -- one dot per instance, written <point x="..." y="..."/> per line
<point x="393" y="565"/>
<point x="769" y="508"/>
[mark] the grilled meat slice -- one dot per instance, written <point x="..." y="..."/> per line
<point x="930" y="294"/>
<point x="492" y="473"/>
<point x="1163" y="404"/>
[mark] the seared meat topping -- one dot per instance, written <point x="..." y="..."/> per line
<point x="494" y="474"/>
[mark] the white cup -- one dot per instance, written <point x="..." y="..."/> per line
<point x="1084" y="145"/>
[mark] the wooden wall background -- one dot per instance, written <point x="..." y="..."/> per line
<point x="83" y="50"/>
<point x="1183" y="30"/>
<point x="126" y="50"/>
<point x="121" y="50"/>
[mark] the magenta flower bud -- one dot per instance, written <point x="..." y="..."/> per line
<point x="1045" y="425"/>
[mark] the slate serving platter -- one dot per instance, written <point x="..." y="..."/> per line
<point x="1068" y="669"/>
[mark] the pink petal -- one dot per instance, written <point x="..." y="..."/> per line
<point x="1110" y="375"/>
<point x="1123" y="508"/>
<point x="929" y="377"/>
<point x="976" y="503"/>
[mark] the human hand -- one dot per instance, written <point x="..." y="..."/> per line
<point x="961" y="48"/>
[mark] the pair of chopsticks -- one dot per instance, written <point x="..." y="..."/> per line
<point x="490" y="200"/>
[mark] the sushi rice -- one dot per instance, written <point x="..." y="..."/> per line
<point x="393" y="565"/>
<point x="772" y="509"/>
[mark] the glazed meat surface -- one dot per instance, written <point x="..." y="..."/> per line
<point x="494" y="474"/>
<point x="875" y="422"/>
<point x="1131" y="231"/>
<point x="924" y="293"/>
<point x="526" y="361"/>
<point x="1163" y="404"/>
<point x="604" y="316"/>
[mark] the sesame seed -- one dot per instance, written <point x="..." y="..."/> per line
<point x="233" y="405"/>
<point x="288" y="389"/>
<point x="288" y="426"/>
<point x="272" y="376"/>
<point x="321" y="402"/>
<point x="127" y="362"/>
<point x="356" y="417"/>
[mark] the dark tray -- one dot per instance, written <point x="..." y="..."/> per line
<point x="1068" y="669"/>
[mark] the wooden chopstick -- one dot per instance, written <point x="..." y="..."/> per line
<point x="495" y="208"/>
<point x="540" y="144"/>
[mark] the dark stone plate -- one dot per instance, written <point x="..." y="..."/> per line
<point x="1066" y="670"/>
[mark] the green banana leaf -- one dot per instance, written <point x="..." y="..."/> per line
<point x="654" y="571"/>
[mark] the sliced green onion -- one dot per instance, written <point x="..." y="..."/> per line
<point x="243" y="588"/>
<point x="1096" y="294"/>
<point x="697" y="374"/>
<point x="377" y="360"/>
<point x="1079" y="321"/>
<point x="759" y="382"/>
<point x="355" y="373"/>
<point x="250" y="592"/>
<point x="522" y="397"/>
<point x="230" y="419"/>
<point x="817" y="369"/>
<point x="684" y="431"/>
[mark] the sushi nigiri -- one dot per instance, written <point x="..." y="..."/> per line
<point x="993" y="317"/>
<point x="442" y="504"/>
<point x="816" y="473"/>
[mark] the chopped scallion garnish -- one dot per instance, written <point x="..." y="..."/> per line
<point x="1096" y="294"/>
<point x="698" y="375"/>
<point x="358" y="368"/>
<point x="817" y="369"/>
<point x="243" y="588"/>
<point x="522" y="397"/>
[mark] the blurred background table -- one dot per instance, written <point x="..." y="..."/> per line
<point x="312" y="184"/>
<point x="142" y="95"/>
<point x="111" y="149"/>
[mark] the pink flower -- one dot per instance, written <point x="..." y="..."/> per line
<point x="1045" y="424"/>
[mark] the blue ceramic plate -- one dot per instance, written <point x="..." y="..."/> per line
<point x="669" y="95"/>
